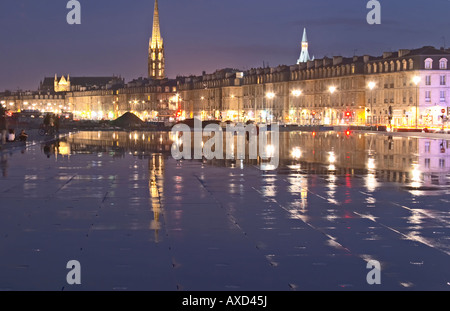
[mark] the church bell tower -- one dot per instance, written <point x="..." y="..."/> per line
<point x="156" y="59"/>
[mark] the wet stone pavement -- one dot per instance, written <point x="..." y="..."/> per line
<point x="153" y="223"/>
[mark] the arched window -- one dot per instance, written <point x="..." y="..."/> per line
<point x="411" y="64"/>
<point x="405" y="64"/>
<point x="443" y="63"/>
<point x="428" y="63"/>
<point x="399" y="66"/>
<point x="392" y="66"/>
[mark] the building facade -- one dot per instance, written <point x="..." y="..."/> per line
<point x="403" y="88"/>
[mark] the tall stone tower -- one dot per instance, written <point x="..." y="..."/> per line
<point x="62" y="85"/>
<point x="156" y="59"/>
<point x="304" y="55"/>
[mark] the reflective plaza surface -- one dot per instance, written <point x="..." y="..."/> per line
<point x="137" y="219"/>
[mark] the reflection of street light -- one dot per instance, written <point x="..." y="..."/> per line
<point x="371" y="87"/>
<point x="297" y="94"/>
<point x="296" y="153"/>
<point x="416" y="81"/>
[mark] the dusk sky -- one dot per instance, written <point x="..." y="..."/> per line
<point x="201" y="35"/>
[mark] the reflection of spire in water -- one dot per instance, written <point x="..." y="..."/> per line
<point x="156" y="168"/>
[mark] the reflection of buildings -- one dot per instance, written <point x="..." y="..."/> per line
<point x="391" y="158"/>
<point x="434" y="160"/>
<point x="118" y="143"/>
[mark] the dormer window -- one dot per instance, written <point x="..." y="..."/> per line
<point x="443" y="63"/>
<point x="428" y="63"/>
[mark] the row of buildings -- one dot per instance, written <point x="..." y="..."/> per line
<point x="402" y="88"/>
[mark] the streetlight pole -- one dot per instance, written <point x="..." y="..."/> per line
<point x="332" y="89"/>
<point x="269" y="95"/>
<point x="297" y="94"/>
<point x="371" y="87"/>
<point x="416" y="81"/>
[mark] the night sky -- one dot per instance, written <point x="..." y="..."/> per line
<point x="201" y="35"/>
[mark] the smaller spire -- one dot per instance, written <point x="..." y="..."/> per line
<point x="304" y="55"/>
<point x="305" y="38"/>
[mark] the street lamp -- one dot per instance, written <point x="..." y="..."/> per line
<point x="239" y="107"/>
<point x="269" y="95"/>
<point x="371" y="87"/>
<point x="297" y="94"/>
<point x="332" y="89"/>
<point x="416" y="81"/>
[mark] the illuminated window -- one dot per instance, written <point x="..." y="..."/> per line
<point x="443" y="63"/>
<point x="428" y="63"/>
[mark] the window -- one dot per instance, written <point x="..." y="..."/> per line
<point x="427" y="96"/>
<point x="427" y="147"/>
<point x="443" y="80"/>
<point x="405" y="65"/>
<point x="441" y="163"/>
<point x="442" y="96"/>
<point x="427" y="80"/>
<point x="443" y="63"/>
<point x="428" y="63"/>
<point x="427" y="163"/>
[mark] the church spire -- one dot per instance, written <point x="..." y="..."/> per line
<point x="156" y="59"/>
<point x="156" y="41"/>
<point x="304" y="55"/>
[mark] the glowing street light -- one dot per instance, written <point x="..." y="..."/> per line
<point x="296" y="93"/>
<point x="296" y="153"/>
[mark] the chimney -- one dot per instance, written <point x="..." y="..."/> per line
<point x="387" y="54"/>
<point x="327" y="61"/>
<point x="337" y="60"/>
<point x="403" y="52"/>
